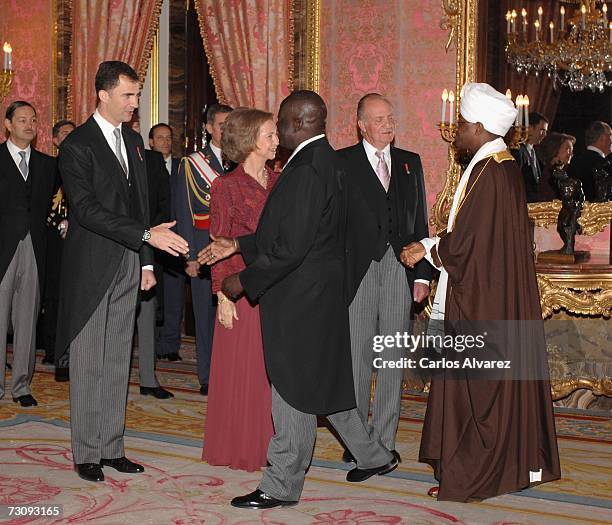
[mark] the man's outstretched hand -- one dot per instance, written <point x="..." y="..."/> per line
<point x="412" y="254"/>
<point x="163" y="238"/>
<point x="220" y="248"/>
<point x="232" y="287"/>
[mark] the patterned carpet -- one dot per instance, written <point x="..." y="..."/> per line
<point x="178" y="488"/>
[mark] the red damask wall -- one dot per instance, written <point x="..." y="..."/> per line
<point x="27" y="26"/>
<point x="396" y="48"/>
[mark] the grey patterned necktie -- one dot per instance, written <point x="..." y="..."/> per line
<point x="117" y="133"/>
<point x="23" y="165"/>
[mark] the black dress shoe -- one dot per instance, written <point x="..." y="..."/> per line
<point x="90" y="471"/>
<point x="174" y="357"/>
<point x="204" y="389"/>
<point x="396" y="455"/>
<point x="122" y="465"/>
<point x="361" y="474"/>
<point x="259" y="500"/>
<point x="157" y="391"/>
<point x="347" y="457"/>
<point x="26" y="401"/>
<point x="62" y="374"/>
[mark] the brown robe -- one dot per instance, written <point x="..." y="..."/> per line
<point x="482" y="437"/>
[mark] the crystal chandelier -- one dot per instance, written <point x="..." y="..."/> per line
<point x="577" y="55"/>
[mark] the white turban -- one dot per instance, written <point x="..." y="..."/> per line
<point x="481" y="103"/>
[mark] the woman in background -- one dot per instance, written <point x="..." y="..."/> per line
<point x="239" y="414"/>
<point x="555" y="150"/>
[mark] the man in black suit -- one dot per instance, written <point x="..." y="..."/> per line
<point x="27" y="179"/>
<point x="196" y="175"/>
<point x="150" y="312"/>
<point x="387" y="210"/>
<point x="104" y="173"/>
<point x="169" y="335"/>
<point x="526" y="157"/>
<point x="57" y="227"/>
<point x="295" y="269"/>
<point x="598" y="140"/>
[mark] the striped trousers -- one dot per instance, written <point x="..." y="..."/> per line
<point x="381" y="307"/>
<point x="290" y="449"/>
<point x="100" y="369"/>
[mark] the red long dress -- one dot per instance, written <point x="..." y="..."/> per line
<point x="238" y="424"/>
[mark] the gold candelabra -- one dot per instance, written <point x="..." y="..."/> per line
<point x="448" y="132"/>
<point x="6" y="74"/>
<point x="448" y="126"/>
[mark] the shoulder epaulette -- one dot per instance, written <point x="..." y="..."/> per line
<point x="502" y="156"/>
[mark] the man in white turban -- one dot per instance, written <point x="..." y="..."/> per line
<point x="490" y="435"/>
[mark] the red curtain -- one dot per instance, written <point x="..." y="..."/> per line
<point x="249" y="46"/>
<point x="108" y="30"/>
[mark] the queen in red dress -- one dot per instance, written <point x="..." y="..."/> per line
<point x="238" y="420"/>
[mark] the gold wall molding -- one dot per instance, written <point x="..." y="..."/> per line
<point x="154" y="84"/>
<point x="313" y="45"/>
<point x="461" y="20"/>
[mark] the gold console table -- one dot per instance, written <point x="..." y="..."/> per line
<point x="576" y="293"/>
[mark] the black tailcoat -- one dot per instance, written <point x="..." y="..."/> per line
<point x="296" y="270"/>
<point x="107" y="217"/>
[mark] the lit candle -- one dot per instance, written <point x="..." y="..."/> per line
<point x="526" y="110"/>
<point x="8" y="56"/>
<point x="610" y="26"/>
<point x="514" y="15"/>
<point x="562" y="18"/>
<point x="508" y="19"/>
<point x="552" y="32"/>
<point x="451" y="99"/>
<point x="583" y="11"/>
<point x="537" y="28"/>
<point x="524" y="15"/>
<point x="508" y="94"/>
<point x="604" y="10"/>
<point x="540" y="13"/>
<point x="444" y="99"/>
<point x="519" y="106"/>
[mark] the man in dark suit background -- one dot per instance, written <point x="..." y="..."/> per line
<point x="525" y="155"/>
<point x="295" y="268"/>
<point x="104" y="173"/>
<point x="27" y="179"/>
<point x="169" y="335"/>
<point x="387" y="209"/>
<point x="57" y="227"/>
<point x="598" y="140"/>
<point x="196" y="174"/>
<point x="150" y="311"/>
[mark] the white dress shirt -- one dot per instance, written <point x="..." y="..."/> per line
<point x="371" y="154"/>
<point x="168" y="162"/>
<point x="301" y="146"/>
<point x="108" y="130"/>
<point x="14" y="151"/>
<point x="217" y="152"/>
<point x="596" y="150"/>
